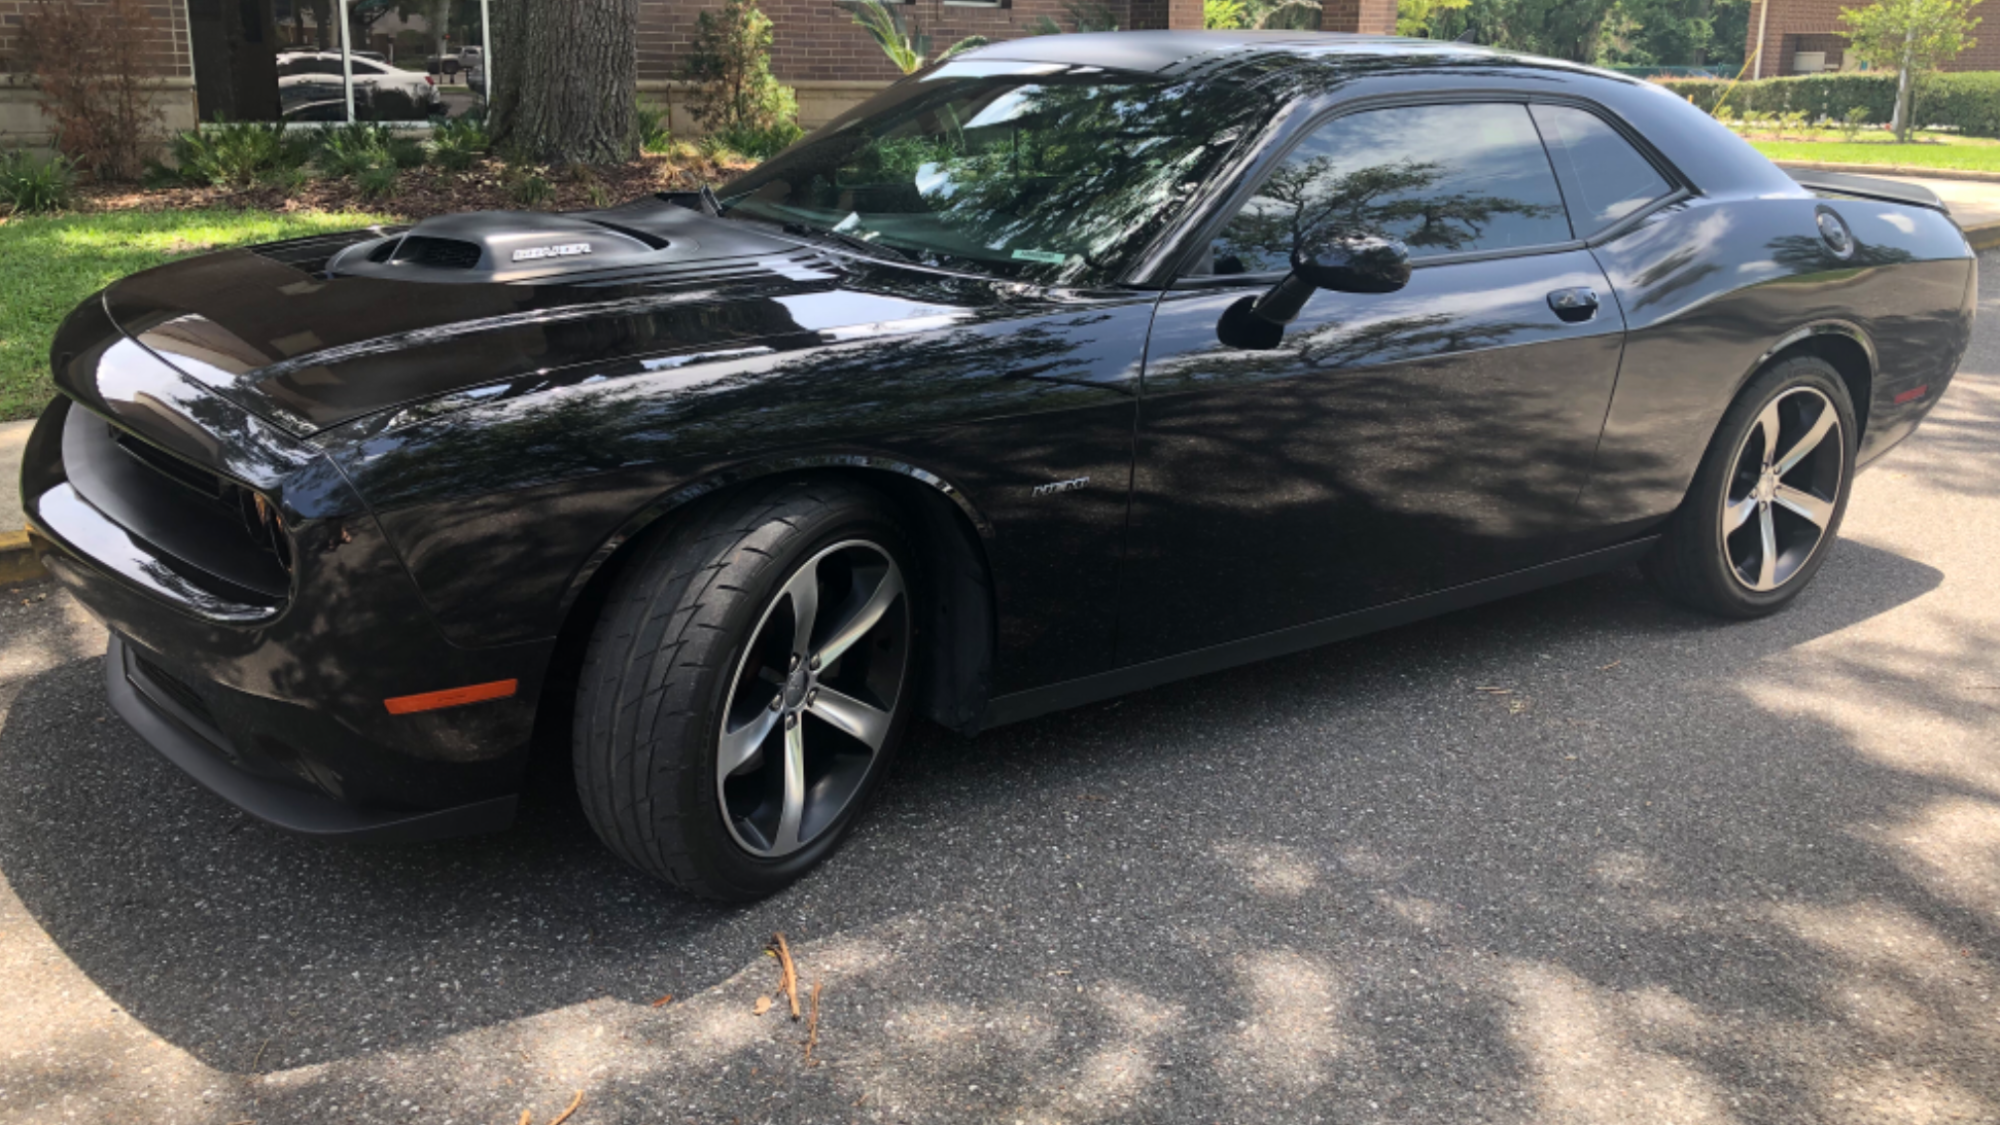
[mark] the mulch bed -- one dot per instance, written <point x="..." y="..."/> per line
<point x="423" y="192"/>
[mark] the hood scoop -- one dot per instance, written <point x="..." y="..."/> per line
<point x="626" y="245"/>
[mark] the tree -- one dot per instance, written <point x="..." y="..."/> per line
<point x="1913" y="36"/>
<point x="1413" y="17"/>
<point x="564" y="82"/>
<point x="91" y="77"/>
<point x="1663" y="32"/>
<point x="735" y="96"/>
<point x="1563" y="29"/>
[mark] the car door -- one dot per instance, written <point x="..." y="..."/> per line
<point x="1388" y="445"/>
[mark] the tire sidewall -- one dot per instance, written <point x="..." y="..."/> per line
<point x="711" y="844"/>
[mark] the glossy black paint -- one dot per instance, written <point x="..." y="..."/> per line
<point x="455" y="464"/>
<point x="1404" y="442"/>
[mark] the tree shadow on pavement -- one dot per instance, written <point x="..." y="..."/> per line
<point x="1574" y="856"/>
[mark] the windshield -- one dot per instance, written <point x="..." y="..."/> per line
<point x="1057" y="175"/>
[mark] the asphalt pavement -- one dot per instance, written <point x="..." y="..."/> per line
<point x="1576" y="857"/>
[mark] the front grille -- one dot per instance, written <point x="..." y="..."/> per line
<point x="439" y="253"/>
<point x="183" y="473"/>
<point x="258" y="517"/>
<point x="212" y="532"/>
<point x="169" y="685"/>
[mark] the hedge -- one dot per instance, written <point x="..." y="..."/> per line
<point x="1968" y="101"/>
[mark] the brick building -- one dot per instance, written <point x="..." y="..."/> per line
<point x="1788" y="29"/>
<point x="218" y="56"/>
<point x="168" y="49"/>
<point x="833" y="64"/>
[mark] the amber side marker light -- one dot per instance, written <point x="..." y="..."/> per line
<point x="452" y="697"/>
<point x="1913" y="394"/>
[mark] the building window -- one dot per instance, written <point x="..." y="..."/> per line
<point x="331" y="61"/>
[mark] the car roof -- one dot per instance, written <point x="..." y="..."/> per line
<point x="1313" y="64"/>
<point x="1181" y="52"/>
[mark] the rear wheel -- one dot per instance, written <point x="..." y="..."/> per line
<point x="1768" y="498"/>
<point x="746" y="686"/>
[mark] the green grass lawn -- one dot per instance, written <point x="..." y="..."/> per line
<point x="1963" y="155"/>
<point x="48" y="265"/>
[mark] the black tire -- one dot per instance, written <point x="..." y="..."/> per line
<point x="670" y="661"/>
<point x="1700" y="564"/>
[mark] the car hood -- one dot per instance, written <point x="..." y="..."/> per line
<point x="314" y="333"/>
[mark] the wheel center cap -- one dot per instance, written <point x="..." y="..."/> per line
<point x="1767" y="486"/>
<point x="796" y="686"/>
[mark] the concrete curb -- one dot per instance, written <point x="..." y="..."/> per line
<point x="17" y="560"/>
<point x="1910" y="170"/>
<point x="1983" y="236"/>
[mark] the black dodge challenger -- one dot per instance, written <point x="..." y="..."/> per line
<point x="1066" y="367"/>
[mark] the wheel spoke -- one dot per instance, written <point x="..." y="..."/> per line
<point x="1805" y="504"/>
<point x="1736" y="513"/>
<point x="795" y="790"/>
<point x="803" y="589"/>
<point x="1767" y="562"/>
<point x="1821" y="426"/>
<point x="854" y="628"/>
<point x="866" y="723"/>
<point x="741" y="745"/>
<point x="1767" y="424"/>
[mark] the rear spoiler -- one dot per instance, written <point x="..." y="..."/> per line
<point x="1867" y="187"/>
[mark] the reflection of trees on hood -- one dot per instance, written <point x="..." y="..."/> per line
<point x="1381" y="199"/>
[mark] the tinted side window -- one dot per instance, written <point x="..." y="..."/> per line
<point x="1603" y="176"/>
<point x="1444" y="179"/>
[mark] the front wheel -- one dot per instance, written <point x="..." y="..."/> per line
<point x="1768" y="498"/>
<point x="746" y="687"/>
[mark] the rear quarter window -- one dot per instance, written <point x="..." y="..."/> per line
<point x="1604" y="178"/>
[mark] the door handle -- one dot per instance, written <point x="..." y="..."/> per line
<point x="1574" y="305"/>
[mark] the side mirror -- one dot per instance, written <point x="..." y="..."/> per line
<point x="1353" y="263"/>
<point x="1344" y="263"/>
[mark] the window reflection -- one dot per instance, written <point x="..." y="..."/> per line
<point x="1050" y="177"/>
<point x="1442" y="179"/>
<point x="1603" y="176"/>
<point x="281" y="60"/>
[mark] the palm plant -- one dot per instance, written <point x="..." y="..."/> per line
<point x="1282" y="15"/>
<point x="907" y="45"/>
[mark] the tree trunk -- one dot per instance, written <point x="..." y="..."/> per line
<point x="440" y="19"/>
<point x="323" y="23"/>
<point x="1904" y="86"/>
<point x="571" y="76"/>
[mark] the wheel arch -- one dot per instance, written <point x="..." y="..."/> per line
<point x="952" y="536"/>
<point x="1844" y="345"/>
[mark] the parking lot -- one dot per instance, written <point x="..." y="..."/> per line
<point x="1575" y="857"/>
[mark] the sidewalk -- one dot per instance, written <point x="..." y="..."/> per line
<point x="1974" y="203"/>
<point x="17" y="562"/>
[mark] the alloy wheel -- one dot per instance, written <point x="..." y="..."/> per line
<point x="814" y="698"/>
<point x="1779" y="500"/>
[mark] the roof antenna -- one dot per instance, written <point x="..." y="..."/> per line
<point x="1469" y="35"/>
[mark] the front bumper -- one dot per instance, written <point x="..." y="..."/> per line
<point x="164" y="712"/>
<point x="268" y="690"/>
